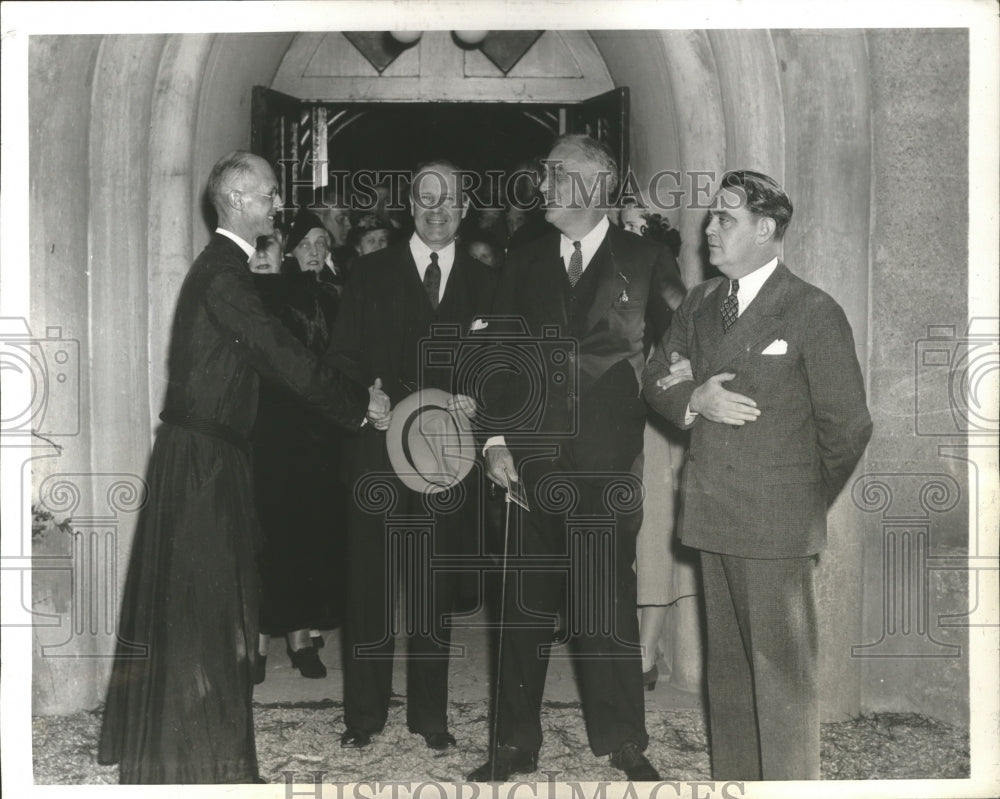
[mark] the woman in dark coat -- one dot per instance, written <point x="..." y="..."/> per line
<point x="298" y="491"/>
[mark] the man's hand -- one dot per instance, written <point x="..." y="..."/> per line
<point x="378" y="414"/>
<point x="463" y="404"/>
<point x="718" y="404"/>
<point x="500" y="465"/>
<point x="680" y="372"/>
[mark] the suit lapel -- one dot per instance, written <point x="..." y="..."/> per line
<point x="708" y="327"/>
<point x="548" y="275"/>
<point x="761" y="320"/>
<point x="608" y="282"/>
<point x="456" y="290"/>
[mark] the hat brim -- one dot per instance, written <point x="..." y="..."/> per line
<point x="430" y="448"/>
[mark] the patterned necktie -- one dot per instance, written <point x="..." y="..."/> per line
<point x="731" y="306"/>
<point x="575" y="271"/>
<point x="432" y="280"/>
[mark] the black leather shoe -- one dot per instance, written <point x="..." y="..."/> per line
<point x="259" y="669"/>
<point x="317" y="641"/>
<point x="633" y="762"/>
<point x="440" y="740"/>
<point x="506" y="760"/>
<point x="308" y="663"/>
<point x="355" y="739"/>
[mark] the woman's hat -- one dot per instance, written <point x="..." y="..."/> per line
<point x="304" y="222"/>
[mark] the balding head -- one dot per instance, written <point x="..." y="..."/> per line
<point x="244" y="192"/>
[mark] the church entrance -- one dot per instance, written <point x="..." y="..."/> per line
<point x="316" y="144"/>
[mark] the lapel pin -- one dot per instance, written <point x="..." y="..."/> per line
<point x="623" y="297"/>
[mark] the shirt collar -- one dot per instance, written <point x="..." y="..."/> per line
<point x="588" y="244"/>
<point x="751" y="284"/>
<point x="422" y="255"/>
<point x="247" y="248"/>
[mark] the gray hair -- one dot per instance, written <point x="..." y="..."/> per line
<point x="596" y="153"/>
<point x="232" y="168"/>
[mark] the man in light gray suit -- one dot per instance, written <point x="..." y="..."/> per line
<point x="776" y="406"/>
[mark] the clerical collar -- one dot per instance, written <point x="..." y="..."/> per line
<point x="247" y="248"/>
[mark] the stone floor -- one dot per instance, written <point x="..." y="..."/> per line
<point x="468" y="678"/>
<point x="298" y="722"/>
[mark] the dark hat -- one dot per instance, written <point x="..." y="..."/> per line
<point x="304" y="221"/>
<point x="366" y="224"/>
<point x="430" y="448"/>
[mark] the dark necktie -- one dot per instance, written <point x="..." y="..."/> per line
<point x="432" y="281"/>
<point x="575" y="271"/>
<point x="731" y="306"/>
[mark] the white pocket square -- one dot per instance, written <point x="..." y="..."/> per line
<point x="777" y="347"/>
<point x="479" y="324"/>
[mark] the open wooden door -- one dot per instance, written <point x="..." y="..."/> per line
<point x="294" y="136"/>
<point x="605" y="118"/>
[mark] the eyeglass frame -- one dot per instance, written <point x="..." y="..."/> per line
<point x="274" y="194"/>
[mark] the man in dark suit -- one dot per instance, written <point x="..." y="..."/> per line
<point x="391" y="302"/>
<point x="595" y="289"/>
<point x="778" y="422"/>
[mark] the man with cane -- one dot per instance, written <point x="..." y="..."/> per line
<point x="596" y="289"/>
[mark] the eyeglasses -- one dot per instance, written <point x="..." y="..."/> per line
<point x="271" y="195"/>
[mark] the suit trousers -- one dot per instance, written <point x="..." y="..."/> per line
<point x="395" y="537"/>
<point x="573" y="552"/>
<point x="761" y="662"/>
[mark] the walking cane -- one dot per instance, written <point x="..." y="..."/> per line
<point x="494" y="741"/>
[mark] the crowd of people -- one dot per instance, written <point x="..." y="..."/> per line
<point x="298" y="362"/>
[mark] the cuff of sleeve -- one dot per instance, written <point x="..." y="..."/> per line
<point x="494" y="441"/>
<point x="689" y="416"/>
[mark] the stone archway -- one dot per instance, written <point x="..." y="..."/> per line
<point x="792" y="103"/>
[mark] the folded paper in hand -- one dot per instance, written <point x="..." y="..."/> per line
<point x="516" y="492"/>
<point x="777" y="347"/>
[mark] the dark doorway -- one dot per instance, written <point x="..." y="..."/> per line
<point x="398" y="136"/>
<point x="293" y="133"/>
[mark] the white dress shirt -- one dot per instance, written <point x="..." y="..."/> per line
<point x="750" y="286"/>
<point x="588" y="244"/>
<point x="247" y="248"/>
<point x="422" y="258"/>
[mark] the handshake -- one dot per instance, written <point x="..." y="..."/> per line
<point x="379" y="413"/>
